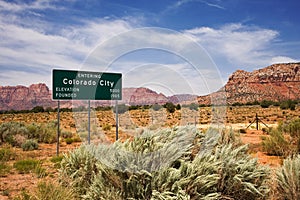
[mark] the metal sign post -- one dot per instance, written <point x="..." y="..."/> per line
<point x="58" y="127"/>
<point x="89" y="122"/>
<point x="117" y="121"/>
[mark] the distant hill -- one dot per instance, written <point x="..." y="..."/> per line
<point x="26" y="98"/>
<point x="276" y="82"/>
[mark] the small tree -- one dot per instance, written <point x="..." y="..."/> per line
<point x="170" y="107"/>
<point x="38" y="109"/>
<point x="193" y="106"/>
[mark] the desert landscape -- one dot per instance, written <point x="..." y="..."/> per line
<point x="267" y="123"/>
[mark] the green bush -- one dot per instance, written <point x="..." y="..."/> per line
<point x="6" y="153"/>
<point x="26" y="166"/>
<point x="34" y="130"/>
<point x="170" y="107"/>
<point x="106" y="127"/>
<point x="37" y="109"/>
<point x="156" y="107"/>
<point x="292" y="128"/>
<point x="289" y="104"/>
<point x="266" y="103"/>
<point x="69" y="140"/>
<point x="283" y="141"/>
<point x="193" y="106"/>
<point x="10" y="130"/>
<point x="242" y="130"/>
<point x="66" y="134"/>
<point x="56" y="160"/>
<point x="30" y="145"/>
<point x="139" y="168"/>
<point x="240" y="176"/>
<point x="47" y="191"/>
<point x="276" y="144"/>
<point x="288" y="179"/>
<point x="4" y="169"/>
<point x="48" y="133"/>
<point x="78" y="169"/>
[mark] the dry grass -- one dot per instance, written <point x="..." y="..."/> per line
<point x="131" y="124"/>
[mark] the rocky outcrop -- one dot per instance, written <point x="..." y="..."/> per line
<point x="142" y="96"/>
<point x="277" y="82"/>
<point x="25" y="98"/>
<point x="183" y="99"/>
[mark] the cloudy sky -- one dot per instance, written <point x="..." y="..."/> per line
<point x="171" y="46"/>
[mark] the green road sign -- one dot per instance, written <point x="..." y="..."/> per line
<point x="85" y="85"/>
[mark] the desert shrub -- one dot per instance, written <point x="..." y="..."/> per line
<point x="47" y="191"/>
<point x="56" y="160"/>
<point x="229" y="173"/>
<point x="6" y="153"/>
<point x="76" y="139"/>
<point x="240" y="176"/>
<point x="37" y="109"/>
<point x="289" y="104"/>
<point x="283" y="141"/>
<point x="53" y="191"/>
<point x="134" y="107"/>
<point x="193" y="106"/>
<point x="288" y="179"/>
<point x="129" y="171"/>
<point x="266" y="104"/>
<point x="242" y="130"/>
<point x="78" y="169"/>
<point x="106" y="127"/>
<point x="40" y="171"/>
<point x="181" y="195"/>
<point x="48" y="133"/>
<point x="103" y="108"/>
<point x="292" y="128"/>
<point x="170" y="107"/>
<point x="26" y="166"/>
<point x="34" y="130"/>
<point x="69" y="140"/>
<point x="228" y="136"/>
<point x="19" y="140"/>
<point x="139" y="168"/>
<point x="265" y="130"/>
<point x="9" y="131"/>
<point x="30" y="145"/>
<point x="4" y="169"/>
<point x="276" y="144"/>
<point x="66" y="134"/>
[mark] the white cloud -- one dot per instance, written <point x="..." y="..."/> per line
<point x="180" y="3"/>
<point x="35" y="48"/>
<point x="30" y="50"/>
<point x="282" y="59"/>
<point x="237" y="44"/>
<point x="14" y="7"/>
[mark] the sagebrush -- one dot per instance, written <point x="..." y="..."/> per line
<point x="179" y="163"/>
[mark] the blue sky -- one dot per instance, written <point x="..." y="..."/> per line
<point x="37" y="36"/>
